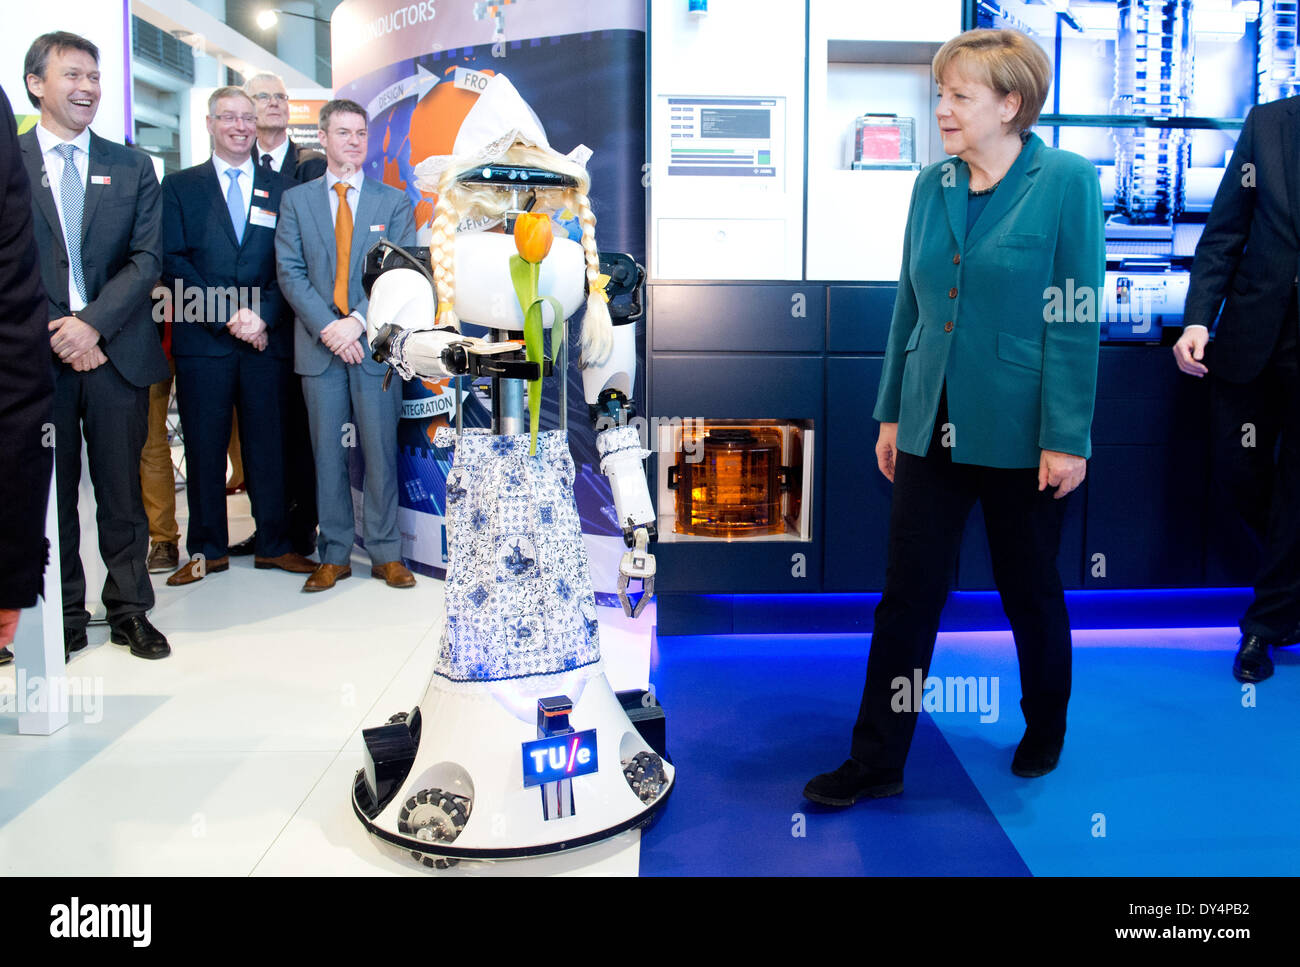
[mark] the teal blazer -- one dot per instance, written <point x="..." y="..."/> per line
<point x="1008" y="316"/>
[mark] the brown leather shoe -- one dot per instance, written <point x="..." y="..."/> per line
<point x="163" y="556"/>
<point x="326" y="576"/>
<point x="394" y="574"/>
<point x="195" y="569"/>
<point x="291" y="562"/>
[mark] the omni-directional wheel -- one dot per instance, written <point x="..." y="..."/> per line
<point x="433" y="816"/>
<point x="645" y="774"/>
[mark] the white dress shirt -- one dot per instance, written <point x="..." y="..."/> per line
<point x="277" y="154"/>
<point x="355" y="180"/>
<point x="54" y="175"/>
<point x="245" y="180"/>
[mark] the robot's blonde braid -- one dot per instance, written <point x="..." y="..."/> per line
<point x="597" y="328"/>
<point x="442" y="251"/>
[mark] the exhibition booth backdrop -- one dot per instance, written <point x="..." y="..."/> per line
<point x="418" y="70"/>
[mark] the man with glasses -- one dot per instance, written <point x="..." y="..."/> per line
<point x="326" y="228"/>
<point x="274" y="150"/>
<point x="231" y="338"/>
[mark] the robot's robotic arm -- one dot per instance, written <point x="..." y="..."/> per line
<point x="608" y="391"/>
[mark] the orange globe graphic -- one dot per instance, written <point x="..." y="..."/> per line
<point x="435" y="122"/>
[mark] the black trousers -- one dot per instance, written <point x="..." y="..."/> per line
<point x="299" y="465"/>
<point x="208" y="388"/>
<point x="114" y="415"/>
<point x="1256" y="460"/>
<point x="932" y="498"/>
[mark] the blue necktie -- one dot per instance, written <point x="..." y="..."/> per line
<point x="72" y="198"/>
<point x="235" y="203"/>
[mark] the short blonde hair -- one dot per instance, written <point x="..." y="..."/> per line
<point x="224" y="92"/>
<point x="1005" y="60"/>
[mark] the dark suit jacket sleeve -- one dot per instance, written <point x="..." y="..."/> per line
<point x="176" y="247"/>
<point x="401" y="223"/>
<point x="1070" y="348"/>
<point x="291" y="267"/>
<point x="1224" y="238"/>
<point x="906" y="313"/>
<point x="25" y="385"/>
<point x="310" y="168"/>
<point x="131" y="284"/>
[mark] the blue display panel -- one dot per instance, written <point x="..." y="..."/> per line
<point x="1153" y="92"/>
<point x="560" y="757"/>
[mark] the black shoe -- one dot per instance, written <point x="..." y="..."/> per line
<point x="6" y="656"/>
<point x="1253" y="663"/>
<point x="851" y="782"/>
<point x="145" y="640"/>
<point x="304" y="544"/>
<point x="74" y="639"/>
<point x="244" y="547"/>
<point x="1036" y="756"/>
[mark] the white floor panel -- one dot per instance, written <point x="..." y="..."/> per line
<point x="236" y="754"/>
<point x="325" y="837"/>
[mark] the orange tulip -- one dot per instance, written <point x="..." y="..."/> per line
<point x="533" y="236"/>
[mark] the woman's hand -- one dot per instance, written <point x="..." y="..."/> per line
<point x="1064" y="471"/>
<point x="887" y="449"/>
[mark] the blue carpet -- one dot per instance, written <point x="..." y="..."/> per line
<point x="1170" y="767"/>
<point x="750" y="720"/>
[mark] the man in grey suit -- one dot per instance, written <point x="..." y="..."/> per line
<point x="96" y="219"/>
<point x="326" y="226"/>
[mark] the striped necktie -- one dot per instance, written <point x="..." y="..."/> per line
<point x="72" y="199"/>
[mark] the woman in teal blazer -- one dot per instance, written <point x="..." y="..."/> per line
<point x="987" y="395"/>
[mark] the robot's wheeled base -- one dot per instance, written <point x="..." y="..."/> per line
<point x="500" y="771"/>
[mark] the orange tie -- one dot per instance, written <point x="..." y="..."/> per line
<point x="343" y="247"/>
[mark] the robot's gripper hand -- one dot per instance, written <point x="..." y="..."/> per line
<point x="637" y="564"/>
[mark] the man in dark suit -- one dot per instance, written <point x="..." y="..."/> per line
<point x="96" y="219"/>
<point x="274" y="150"/>
<point x="1246" y="264"/>
<point x="232" y="338"/>
<point x="326" y="227"/>
<point x="25" y="392"/>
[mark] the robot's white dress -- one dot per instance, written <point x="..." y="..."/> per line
<point x="518" y="591"/>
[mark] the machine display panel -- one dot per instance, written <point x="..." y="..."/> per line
<point x="1153" y="92"/>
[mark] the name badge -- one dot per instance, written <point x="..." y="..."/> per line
<point x="261" y="217"/>
<point x="377" y="228"/>
<point x="100" y="180"/>
<point x="261" y="193"/>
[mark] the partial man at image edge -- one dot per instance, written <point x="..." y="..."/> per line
<point x="219" y="221"/>
<point x="96" y="218"/>
<point x="326" y="227"/>
<point x="26" y="393"/>
<point x="1243" y="288"/>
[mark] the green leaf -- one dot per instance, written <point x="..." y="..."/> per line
<point x="533" y="351"/>
<point x="523" y="276"/>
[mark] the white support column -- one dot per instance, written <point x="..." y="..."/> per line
<point x="38" y="645"/>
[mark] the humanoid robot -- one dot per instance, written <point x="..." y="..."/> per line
<point x="519" y="745"/>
